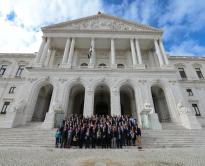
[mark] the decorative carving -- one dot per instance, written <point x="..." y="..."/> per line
<point x="78" y="79"/>
<point x="143" y="81"/>
<point x="89" y="91"/>
<point x="31" y="80"/>
<point x="104" y="24"/>
<point x="47" y="78"/>
<point x="172" y="82"/>
<point x="62" y="80"/>
<point x="57" y="106"/>
<point x="182" y="109"/>
<point x="147" y="105"/>
<point x="19" y="106"/>
<point x="115" y="91"/>
<point x="103" y="79"/>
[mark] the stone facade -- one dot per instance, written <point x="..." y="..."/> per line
<point x="101" y="65"/>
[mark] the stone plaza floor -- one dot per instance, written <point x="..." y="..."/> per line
<point x="10" y="156"/>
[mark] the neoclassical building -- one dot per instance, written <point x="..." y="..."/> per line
<point x="102" y="65"/>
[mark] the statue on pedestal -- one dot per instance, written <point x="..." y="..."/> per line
<point x="181" y="108"/>
<point x="19" y="106"/>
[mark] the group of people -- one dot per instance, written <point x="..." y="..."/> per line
<point x="98" y="132"/>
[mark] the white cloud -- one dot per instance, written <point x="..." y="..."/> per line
<point x="21" y="35"/>
<point x="188" y="48"/>
<point x="178" y="18"/>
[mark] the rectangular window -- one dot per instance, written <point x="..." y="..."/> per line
<point x="199" y="73"/>
<point x="3" y="69"/>
<point x="182" y="73"/>
<point x="20" y="70"/>
<point x="196" y="109"/>
<point x="11" y="90"/>
<point x="189" y="91"/>
<point x="5" y="106"/>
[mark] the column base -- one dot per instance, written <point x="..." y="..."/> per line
<point x="139" y="66"/>
<point x="169" y="67"/>
<point x="113" y="66"/>
<point x="65" y="65"/>
<point x="91" y="66"/>
<point x="37" y="65"/>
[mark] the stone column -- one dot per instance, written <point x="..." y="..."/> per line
<point x="37" y="59"/>
<point x="139" y="56"/>
<point x="115" y="102"/>
<point x="48" y="57"/>
<point x="70" y="57"/>
<point x="45" y="50"/>
<point x="113" y="59"/>
<point x="66" y="51"/>
<point x="52" y="58"/>
<point x="93" y="56"/>
<point x="163" y="52"/>
<point x="88" y="102"/>
<point x="161" y="63"/>
<point x="134" y="59"/>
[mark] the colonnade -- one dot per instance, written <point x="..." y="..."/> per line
<point x="45" y="52"/>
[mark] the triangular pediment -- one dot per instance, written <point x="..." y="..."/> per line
<point x="101" y="22"/>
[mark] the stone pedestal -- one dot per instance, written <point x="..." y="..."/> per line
<point x="144" y="117"/>
<point x="49" y="120"/>
<point x="154" y="122"/>
<point x="145" y="121"/>
<point x="59" y="117"/>
<point x="189" y="121"/>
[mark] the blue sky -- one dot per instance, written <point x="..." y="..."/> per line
<point x="183" y="21"/>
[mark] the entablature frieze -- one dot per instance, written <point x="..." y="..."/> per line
<point x="93" y="34"/>
<point x="18" y="79"/>
<point x="191" y="81"/>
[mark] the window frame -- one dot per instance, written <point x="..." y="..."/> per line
<point x="12" y="89"/>
<point x="182" y="73"/>
<point x="5" y="107"/>
<point x="190" y="92"/>
<point x="20" y="70"/>
<point x="196" y="109"/>
<point x="3" y="69"/>
<point x="199" y="73"/>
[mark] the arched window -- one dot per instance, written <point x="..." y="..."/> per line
<point x="84" y="65"/>
<point x="121" y="66"/>
<point x="102" y="65"/>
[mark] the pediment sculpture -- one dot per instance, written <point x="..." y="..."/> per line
<point x="102" y="24"/>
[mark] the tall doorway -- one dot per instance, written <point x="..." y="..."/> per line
<point x="102" y="100"/>
<point x="76" y="101"/>
<point x="127" y="101"/>
<point x="160" y="104"/>
<point x="43" y="103"/>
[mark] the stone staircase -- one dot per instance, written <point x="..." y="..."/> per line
<point x="201" y="120"/>
<point x="28" y="136"/>
<point x="172" y="136"/>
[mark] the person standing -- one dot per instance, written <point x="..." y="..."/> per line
<point x="64" y="137"/>
<point x="87" y="138"/>
<point x="139" y="133"/>
<point x="119" y="138"/>
<point x="69" y="138"/>
<point x="57" y="136"/>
